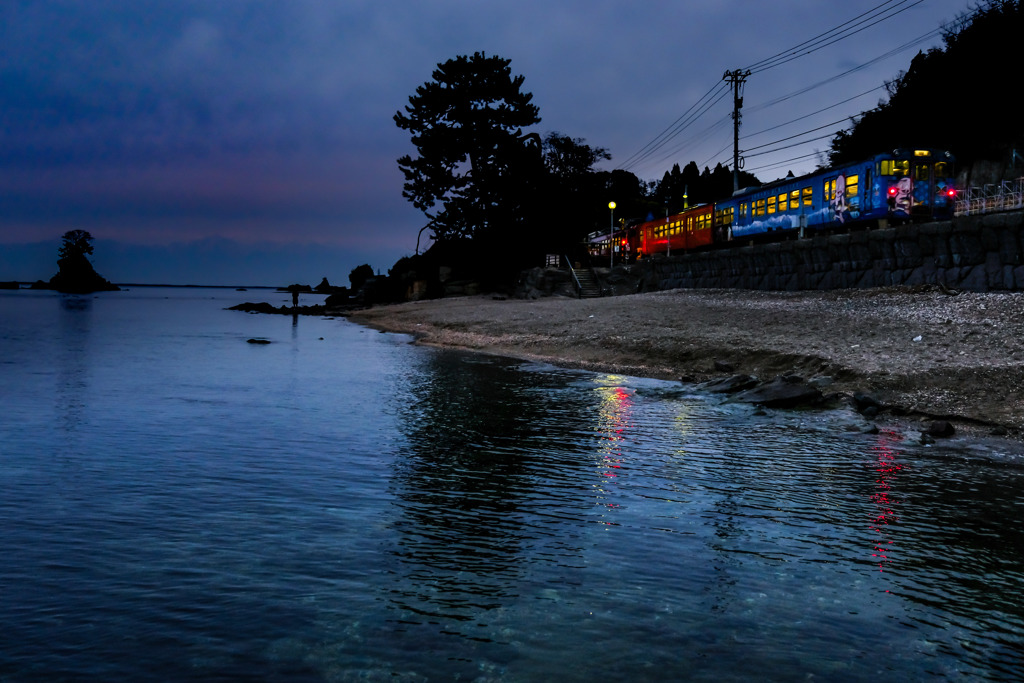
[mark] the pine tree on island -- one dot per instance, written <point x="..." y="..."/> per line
<point x="76" y="274"/>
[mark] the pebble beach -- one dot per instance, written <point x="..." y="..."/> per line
<point x="927" y="352"/>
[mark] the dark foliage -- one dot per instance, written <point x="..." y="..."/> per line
<point x="476" y="166"/>
<point x="960" y="98"/>
<point x="359" y="276"/>
<point x="690" y="187"/>
<point x="75" y="243"/>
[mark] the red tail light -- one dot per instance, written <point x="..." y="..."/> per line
<point x="951" y="192"/>
<point x="892" y="191"/>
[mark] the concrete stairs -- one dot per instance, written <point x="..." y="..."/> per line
<point x="589" y="286"/>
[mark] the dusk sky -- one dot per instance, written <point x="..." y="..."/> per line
<point x="230" y="142"/>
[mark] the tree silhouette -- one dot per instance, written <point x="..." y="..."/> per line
<point x="75" y="272"/>
<point x="359" y="275"/>
<point x="475" y="166"/>
<point x="957" y="98"/>
<point x="77" y="244"/>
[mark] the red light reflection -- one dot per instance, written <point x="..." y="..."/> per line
<point x="886" y="469"/>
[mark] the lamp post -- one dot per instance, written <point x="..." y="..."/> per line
<point x="611" y="239"/>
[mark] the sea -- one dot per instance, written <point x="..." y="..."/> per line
<point x="178" y="503"/>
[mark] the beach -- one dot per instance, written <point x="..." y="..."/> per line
<point x="922" y="352"/>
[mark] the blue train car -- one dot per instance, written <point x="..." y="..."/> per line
<point x="889" y="188"/>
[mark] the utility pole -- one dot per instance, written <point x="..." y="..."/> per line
<point x="737" y="78"/>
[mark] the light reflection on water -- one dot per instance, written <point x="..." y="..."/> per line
<point x="340" y="505"/>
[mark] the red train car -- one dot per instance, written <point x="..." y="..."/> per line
<point x="681" y="232"/>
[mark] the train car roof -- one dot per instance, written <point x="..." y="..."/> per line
<point x="911" y="152"/>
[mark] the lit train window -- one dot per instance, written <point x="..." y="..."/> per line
<point x="901" y="167"/>
<point x="771" y="205"/>
<point x="852" y="182"/>
<point x="794" y="200"/>
<point x="885" y="167"/>
<point x="941" y="169"/>
<point x="830" y="190"/>
<point x="782" y="202"/>
<point x="759" y="207"/>
<point x="808" y="195"/>
<point x="921" y="171"/>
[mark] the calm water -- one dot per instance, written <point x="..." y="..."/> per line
<point x="340" y="505"/>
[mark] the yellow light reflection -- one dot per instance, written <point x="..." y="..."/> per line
<point x="614" y="422"/>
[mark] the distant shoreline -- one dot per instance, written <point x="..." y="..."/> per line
<point x="921" y="352"/>
<point x="24" y="284"/>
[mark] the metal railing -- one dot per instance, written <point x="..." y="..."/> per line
<point x="1005" y="196"/>
<point x="575" y="280"/>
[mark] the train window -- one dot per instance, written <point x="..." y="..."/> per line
<point x="743" y="210"/>
<point x="771" y="205"/>
<point x="782" y="202"/>
<point x="885" y="167"/>
<point x="941" y="169"/>
<point x="794" y="200"/>
<point x="759" y="207"/>
<point x="808" y="195"/>
<point x="830" y="190"/>
<point x="852" y="182"/>
<point x="921" y="171"/>
<point x="901" y="167"/>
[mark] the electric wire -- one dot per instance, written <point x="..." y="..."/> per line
<point x="829" y="40"/>
<point x="673" y="129"/>
<point x="829" y="81"/>
<point x="875" y="15"/>
<point x="796" y="48"/>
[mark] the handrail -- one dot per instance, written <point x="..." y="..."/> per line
<point x="575" y="280"/>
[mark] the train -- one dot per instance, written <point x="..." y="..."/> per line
<point x="891" y="188"/>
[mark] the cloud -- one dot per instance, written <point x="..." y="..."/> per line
<point x="162" y="119"/>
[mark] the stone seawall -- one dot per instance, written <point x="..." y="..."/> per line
<point x="975" y="253"/>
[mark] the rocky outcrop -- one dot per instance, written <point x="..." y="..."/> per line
<point x="730" y="385"/>
<point x="786" y="391"/>
<point x="76" y="276"/>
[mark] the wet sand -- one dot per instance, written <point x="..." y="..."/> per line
<point x="922" y="351"/>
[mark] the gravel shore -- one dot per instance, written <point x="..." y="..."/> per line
<point x="926" y="352"/>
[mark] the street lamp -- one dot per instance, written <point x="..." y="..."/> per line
<point x="611" y="239"/>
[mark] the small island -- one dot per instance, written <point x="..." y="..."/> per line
<point x="76" y="274"/>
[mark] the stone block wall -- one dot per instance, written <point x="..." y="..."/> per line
<point x="976" y="253"/>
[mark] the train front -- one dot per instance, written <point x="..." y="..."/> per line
<point x="918" y="184"/>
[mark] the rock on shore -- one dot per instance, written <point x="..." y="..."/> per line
<point x="923" y="351"/>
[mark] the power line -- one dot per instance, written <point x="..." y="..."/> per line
<point x="812" y="130"/>
<point x="877" y="14"/>
<point x="832" y="80"/>
<point x="813" y="113"/>
<point x="784" y="162"/>
<point x="834" y="36"/>
<point x="673" y="129"/>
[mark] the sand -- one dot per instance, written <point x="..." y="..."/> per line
<point x="923" y="351"/>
